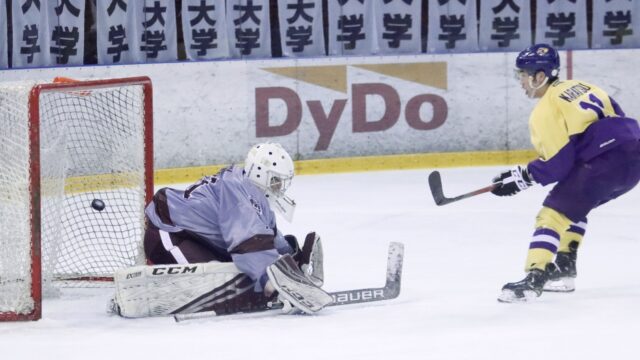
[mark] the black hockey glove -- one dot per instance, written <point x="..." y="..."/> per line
<point x="512" y="181"/>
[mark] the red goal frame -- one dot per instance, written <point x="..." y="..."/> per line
<point x="34" y="181"/>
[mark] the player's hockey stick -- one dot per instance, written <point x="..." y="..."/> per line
<point x="435" y="184"/>
<point x="390" y="290"/>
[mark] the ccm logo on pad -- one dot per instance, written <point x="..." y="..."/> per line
<point x="174" y="270"/>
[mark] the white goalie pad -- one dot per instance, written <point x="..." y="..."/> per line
<point x="158" y="290"/>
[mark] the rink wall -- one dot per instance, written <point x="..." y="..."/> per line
<point x="350" y="113"/>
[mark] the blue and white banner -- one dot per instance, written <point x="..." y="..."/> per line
<point x="351" y="27"/>
<point x="157" y="32"/>
<point x="65" y="31"/>
<point x="562" y="23"/>
<point x="30" y="40"/>
<point x="452" y="26"/>
<point x="398" y="25"/>
<point x="301" y="29"/>
<point x="116" y="32"/>
<point x="204" y="27"/>
<point x="249" y="28"/>
<point x="615" y="24"/>
<point x="136" y="31"/>
<point x="4" y="41"/>
<point x="505" y="25"/>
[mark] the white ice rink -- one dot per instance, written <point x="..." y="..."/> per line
<point x="457" y="258"/>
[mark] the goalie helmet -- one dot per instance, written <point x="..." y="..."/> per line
<point x="269" y="167"/>
<point x="539" y="57"/>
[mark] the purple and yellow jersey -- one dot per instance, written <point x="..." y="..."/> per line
<point x="574" y="122"/>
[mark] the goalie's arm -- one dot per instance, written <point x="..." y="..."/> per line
<point x="253" y="256"/>
<point x="248" y="228"/>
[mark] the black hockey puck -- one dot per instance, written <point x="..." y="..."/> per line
<point x="98" y="204"/>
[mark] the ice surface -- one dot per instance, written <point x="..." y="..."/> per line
<point x="457" y="257"/>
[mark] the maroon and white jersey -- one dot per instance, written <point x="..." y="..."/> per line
<point x="228" y="213"/>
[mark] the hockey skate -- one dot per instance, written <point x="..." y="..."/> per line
<point x="562" y="277"/>
<point x="527" y="289"/>
<point x="294" y="286"/>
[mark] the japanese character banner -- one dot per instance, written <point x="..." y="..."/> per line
<point x="30" y="42"/>
<point x="398" y="26"/>
<point x="204" y="27"/>
<point x="351" y="27"/>
<point x="116" y="32"/>
<point x="562" y="23"/>
<point x="134" y="31"/>
<point x="301" y="29"/>
<point x="4" y="60"/>
<point x="505" y="25"/>
<point x="65" y="31"/>
<point x="156" y="30"/>
<point x="615" y="24"/>
<point x="249" y="28"/>
<point x="452" y="26"/>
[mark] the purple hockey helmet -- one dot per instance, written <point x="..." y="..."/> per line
<point x="539" y="57"/>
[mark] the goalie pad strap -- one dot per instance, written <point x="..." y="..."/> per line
<point x="174" y="250"/>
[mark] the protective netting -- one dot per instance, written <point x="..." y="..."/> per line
<point x="15" y="214"/>
<point x="92" y="146"/>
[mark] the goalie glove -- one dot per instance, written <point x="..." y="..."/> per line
<point x="512" y="181"/>
<point x="310" y="257"/>
<point x="294" y="287"/>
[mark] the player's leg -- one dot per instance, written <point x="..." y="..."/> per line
<point x="159" y="290"/>
<point x="562" y="279"/>
<point x="182" y="247"/>
<point x="589" y="185"/>
<point x="539" y="264"/>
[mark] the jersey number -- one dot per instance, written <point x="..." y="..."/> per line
<point x="598" y="106"/>
<point x="595" y="105"/>
<point x="204" y="181"/>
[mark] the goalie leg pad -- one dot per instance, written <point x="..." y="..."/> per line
<point x="158" y="290"/>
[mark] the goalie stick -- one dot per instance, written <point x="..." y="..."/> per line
<point x="435" y="184"/>
<point x="390" y="290"/>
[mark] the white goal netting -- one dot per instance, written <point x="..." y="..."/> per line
<point x="94" y="143"/>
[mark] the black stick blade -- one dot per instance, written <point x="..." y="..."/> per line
<point x="435" y="184"/>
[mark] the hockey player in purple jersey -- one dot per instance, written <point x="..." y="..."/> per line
<point x="228" y="217"/>
<point x="587" y="147"/>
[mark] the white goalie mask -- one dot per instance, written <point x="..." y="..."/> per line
<point x="270" y="168"/>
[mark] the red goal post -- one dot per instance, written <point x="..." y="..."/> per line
<point x="70" y="142"/>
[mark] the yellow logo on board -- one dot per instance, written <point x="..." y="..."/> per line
<point x="334" y="77"/>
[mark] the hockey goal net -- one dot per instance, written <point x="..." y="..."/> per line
<point x="63" y="146"/>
